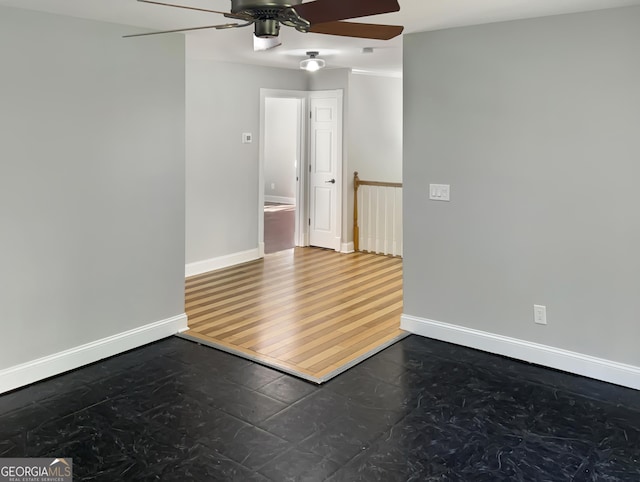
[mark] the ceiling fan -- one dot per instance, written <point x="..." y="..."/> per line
<point x="318" y="16"/>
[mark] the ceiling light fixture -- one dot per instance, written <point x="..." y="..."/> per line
<point x="313" y="63"/>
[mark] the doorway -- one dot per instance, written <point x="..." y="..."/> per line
<point x="282" y="154"/>
<point x="300" y="169"/>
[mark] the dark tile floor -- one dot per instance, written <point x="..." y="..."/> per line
<point x="420" y="410"/>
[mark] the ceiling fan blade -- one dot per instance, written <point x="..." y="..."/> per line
<point x="323" y="11"/>
<point x="226" y="14"/>
<point x="359" y="30"/>
<point x="265" y="43"/>
<point x="180" y="6"/>
<point x="217" y="27"/>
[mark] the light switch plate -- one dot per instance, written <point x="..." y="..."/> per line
<point x="440" y="192"/>
<point x="247" y="138"/>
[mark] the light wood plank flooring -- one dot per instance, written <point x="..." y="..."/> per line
<point x="307" y="311"/>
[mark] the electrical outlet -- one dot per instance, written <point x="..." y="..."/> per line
<point x="540" y="314"/>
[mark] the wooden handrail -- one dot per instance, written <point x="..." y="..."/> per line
<point x="357" y="182"/>
<point x="379" y="183"/>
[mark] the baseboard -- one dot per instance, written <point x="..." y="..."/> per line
<point x="220" y="262"/>
<point x="280" y="200"/>
<point x="572" y="362"/>
<point x="41" y="368"/>
<point x="347" y="248"/>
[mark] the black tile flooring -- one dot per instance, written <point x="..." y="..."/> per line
<point x="420" y="410"/>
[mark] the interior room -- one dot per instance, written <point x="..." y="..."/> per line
<point x="132" y="168"/>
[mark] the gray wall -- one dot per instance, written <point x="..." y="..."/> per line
<point x="91" y="182"/>
<point x="535" y="125"/>
<point x="223" y="101"/>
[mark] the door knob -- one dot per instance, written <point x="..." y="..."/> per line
<point x="333" y="181"/>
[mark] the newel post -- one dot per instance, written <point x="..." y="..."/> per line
<point x="356" y="228"/>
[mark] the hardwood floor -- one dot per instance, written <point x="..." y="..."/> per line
<point x="279" y="227"/>
<point x="306" y="311"/>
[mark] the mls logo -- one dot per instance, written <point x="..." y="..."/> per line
<point x="36" y="470"/>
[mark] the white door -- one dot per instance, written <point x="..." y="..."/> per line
<point x="325" y="170"/>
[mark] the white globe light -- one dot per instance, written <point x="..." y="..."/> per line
<point x="312" y="64"/>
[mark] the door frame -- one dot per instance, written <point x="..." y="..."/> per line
<point x="301" y="235"/>
<point x="302" y="168"/>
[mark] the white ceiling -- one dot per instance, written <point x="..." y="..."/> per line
<point x="236" y="45"/>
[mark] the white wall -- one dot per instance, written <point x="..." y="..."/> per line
<point x="535" y="125"/>
<point x="374" y="143"/>
<point x="91" y="185"/>
<point x="282" y="117"/>
<point x="223" y="101"/>
<point x="375" y="127"/>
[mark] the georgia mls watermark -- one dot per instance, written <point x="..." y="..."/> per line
<point x="36" y="470"/>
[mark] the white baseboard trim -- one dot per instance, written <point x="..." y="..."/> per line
<point x="568" y="361"/>
<point x="48" y="366"/>
<point x="220" y="262"/>
<point x="279" y="199"/>
<point x="347" y="248"/>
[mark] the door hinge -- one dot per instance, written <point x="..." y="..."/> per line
<point x="310" y="115"/>
<point x="309" y="221"/>
<point x="309" y="167"/>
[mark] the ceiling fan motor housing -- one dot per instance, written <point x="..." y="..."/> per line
<point x="266" y="28"/>
<point x="255" y="6"/>
<point x="267" y="15"/>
